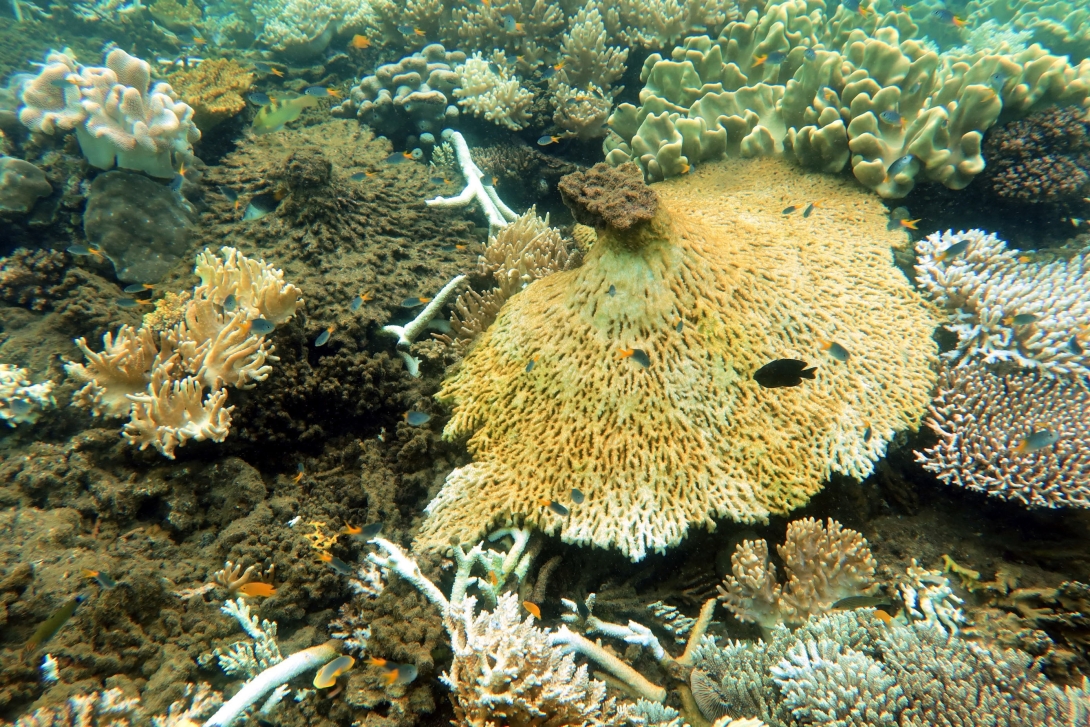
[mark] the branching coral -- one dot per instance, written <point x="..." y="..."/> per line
<point x="161" y="384"/>
<point x="1031" y="313"/>
<point x="110" y="708"/>
<point x="714" y="287"/>
<point x="20" y="401"/>
<point x="487" y="89"/>
<point x="1041" y="159"/>
<point x="120" y="117"/>
<point x="823" y="564"/>
<point x="982" y="418"/>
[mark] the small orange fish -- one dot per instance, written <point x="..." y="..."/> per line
<point x="533" y="609"/>
<point x="264" y="590"/>
<point x="909" y="224"/>
<point x="376" y="661"/>
<point x="333" y="93"/>
<point x="1025" y="259"/>
<point x="558" y="66"/>
<point x="299" y="477"/>
<point x="199" y="41"/>
<point x="276" y="72"/>
<point x="424" y="300"/>
<point x="366" y="297"/>
<point x="460" y="247"/>
<point x="359" y="42"/>
<point x="759" y="60"/>
<point x="419" y="32"/>
<point x="685" y="168"/>
<point x="883" y="616"/>
<point x="958" y="22"/>
<point x="351" y="530"/>
<point x="625" y="353"/>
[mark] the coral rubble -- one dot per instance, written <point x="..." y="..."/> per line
<point x="708" y="291"/>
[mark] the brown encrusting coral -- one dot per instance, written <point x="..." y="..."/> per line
<point x="605" y="196"/>
<point x="32" y="278"/>
<point x="214" y="88"/>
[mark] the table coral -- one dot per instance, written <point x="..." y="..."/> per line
<point x="981" y="417"/>
<point x="988" y="287"/>
<point x="718" y="284"/>
<point x="120" y="117"/>
<point x="214" y="89"/>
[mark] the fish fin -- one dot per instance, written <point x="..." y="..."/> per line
<point x="808" y="373"/>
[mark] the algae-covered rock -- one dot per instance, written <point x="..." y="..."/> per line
<point x="21" y="185"/>
<point x="142" y="226"/>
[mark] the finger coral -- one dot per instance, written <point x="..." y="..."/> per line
<point x="120" y="117"/>
<point x="1005" y="307"/>
<point x="157" y="376"/>
<point x="823" y="564"/>
<point x="982" y="418"/>
<point x="716" y="285"/>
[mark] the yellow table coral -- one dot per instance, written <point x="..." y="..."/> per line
<point x="717" y="284"/>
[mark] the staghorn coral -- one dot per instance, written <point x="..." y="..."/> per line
<point x="708" y="290"/>
<point x="487" y="89"/>
<point x="20" y="401"/>
<point x="982" y="416"/>
<point x="1005" y="308"/>
<point x="607" y="197"/>
<point x="214" y="89"/>
<point x="1041" y="159"/>
<point x="160" y="385"/>
<point x="119" y="116"/>
<point x="823" y="564"/>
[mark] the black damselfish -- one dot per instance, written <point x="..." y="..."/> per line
<point x="783" y="372"/>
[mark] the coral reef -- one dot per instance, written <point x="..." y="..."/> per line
<point x="823" y="564"/>
<point x="214" y="90"/>
<point x="141" y="226"/>
<point x="160" y="385"/>
<point x="20" y="401"/>
<point x="982" y="418"/>
<point x="487" y="89"/>
<point x="829" y="92"/>
<point x="1004" y="307"/>
<point x="21" y="185"/>
<point x="302" y="29"/>
<point x="33" y="279"/>
<point x="498" y="213"/>
<point x="707" y="291"/>
<point x="120" y="117"/>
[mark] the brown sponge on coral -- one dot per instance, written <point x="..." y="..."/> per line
<point x="605" y="196"/>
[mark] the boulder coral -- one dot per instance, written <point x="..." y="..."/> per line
<point x="717" y="284"/>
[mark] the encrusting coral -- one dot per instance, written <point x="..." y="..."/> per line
<point x="1005" y="307"/>
<point x="719" y="283"/>
<point x="823" y="564"/>
<point x="160" y="384"/>
<point x="214" y="89"/>
<point x="119" y="115"/>
<point x="982" y="418"/>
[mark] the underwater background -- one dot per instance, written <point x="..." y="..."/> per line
<point x="511" y="363"/>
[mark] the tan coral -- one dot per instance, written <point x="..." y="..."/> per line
<point x="693" y="437"/>
<point x="258" y="287"/>
<point x="173" y="412"/>
<point x="214" y="89"/>
<point x="823" y="565"/>
<point x="220" y="349"/>
<point x="123" y="368"/>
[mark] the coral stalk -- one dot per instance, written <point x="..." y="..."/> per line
<point x="497" y="212"/>
<point x="408" y="333"/>
<point x="631" y="678"/>
<point x="272" y="678"/>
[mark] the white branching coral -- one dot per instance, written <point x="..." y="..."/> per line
<point x="983" y="418"/>
<point x="487" y="89"/>
<point x="161" y="385"/>
<point x="21" y="401"/>
<point x="110" y="708"/>
<point x="1006" y="307"/>
<point x="824" y="563"/>
<point x="119" y="115"/>
<point x="247" y="658"/>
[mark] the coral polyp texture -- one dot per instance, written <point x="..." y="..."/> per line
<point x="158" y="377"/>
<point x="1042" y="159"/>
<point x="823" y="564"/>
<point x="1007" y="306"/>
<point x="833" y="90"/>
<point x="120" y="117"/>
<point x="983" y="418"/>
<point x="716" y="285"/>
